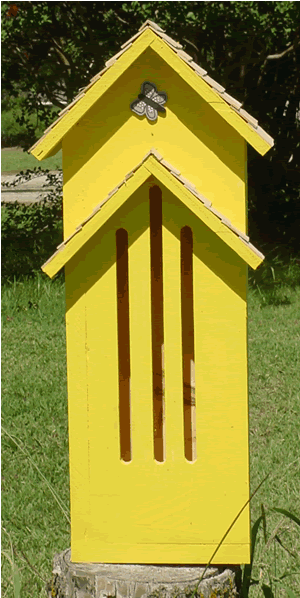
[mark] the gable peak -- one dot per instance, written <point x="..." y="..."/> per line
<point x="152" y="25"/>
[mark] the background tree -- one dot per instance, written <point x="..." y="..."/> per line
<point x="51" y="49"/>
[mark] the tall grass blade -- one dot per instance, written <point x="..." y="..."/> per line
<point x="264" y="522"/>
<point x="290" y="593"/>
<point x="16" y="576"/>
<point x="284" y="547"/>
<point x="287" y="514"/>
<point x="55" y="496"/>
<point x="267" y="591"/>
<point x="226" y="534"/>
<point x="17" y="582"/>
<point x="33" y="569"/>
<point x="248" y="568"/>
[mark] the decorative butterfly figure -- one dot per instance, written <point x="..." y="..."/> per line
<point x="150" y="101"/>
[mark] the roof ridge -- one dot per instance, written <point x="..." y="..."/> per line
<point x="187" y="184"/>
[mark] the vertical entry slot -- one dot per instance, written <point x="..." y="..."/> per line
<point x="123" y="343"/>
<point x="155" y="196"/>
<point x="188" y="353"/>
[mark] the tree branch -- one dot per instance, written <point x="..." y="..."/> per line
<point x="120" y="19"/>
<point x="191" y="43"/>
<point x="66" y="61"/>
<point x="53" y="98"/>
<point x="291" y="48"/>
<point x="282" y="54"/>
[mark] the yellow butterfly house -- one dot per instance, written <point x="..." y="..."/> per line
<point x="156" y="254"/>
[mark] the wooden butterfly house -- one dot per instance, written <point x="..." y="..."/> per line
<point x="156" y="253"/>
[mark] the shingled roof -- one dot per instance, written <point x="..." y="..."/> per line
<point x="176" y="47"/>
<point x="243" y="239"/>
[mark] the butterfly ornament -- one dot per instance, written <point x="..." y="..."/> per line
<point x="149" y="101"/>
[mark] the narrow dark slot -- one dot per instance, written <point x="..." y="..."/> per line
<point x="157" y="321"/>
<point x="188" y="355"/>
<point x="123" y="343"/>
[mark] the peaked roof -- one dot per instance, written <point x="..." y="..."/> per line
<point x="153" y="163"/>
<point x="149" y="34"/>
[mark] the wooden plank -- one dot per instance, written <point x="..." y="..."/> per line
<point x="78" y="414"/>
<point x="168" y="553"/>
<point x="221" y="375"/>
<point x="53" y="138"/>
<point x="155" y="200"/>
<point x="210" y="96"/>
<point x="221" y="384"/>
<point x="123" y="344"/>
<point x="102" y="344"/>
<point x="140" y="330"/>
<point x="102" y="348"/>
<point x="174" y="424"/>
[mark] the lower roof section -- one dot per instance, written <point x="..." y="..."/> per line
<point x="154" y="164"/>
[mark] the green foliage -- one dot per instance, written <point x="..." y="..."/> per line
<point x="275" y="278"/>
<point x="52" y="49"/>
<point x="31" y="233"/>
<point x="13" y="133"/>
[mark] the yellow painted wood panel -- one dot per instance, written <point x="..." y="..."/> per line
<point x="143" y="510"/>
<point x="78" y="414"/>
<point x="102" y="368"/>
<point x="220" y="369"/>
<point x="140" y="331"/>
<point x="172" y="343"/>
<point x="110" y="140"/>
<point x="168" y="553"/>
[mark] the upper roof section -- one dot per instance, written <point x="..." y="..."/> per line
<point x="151" y="35"/>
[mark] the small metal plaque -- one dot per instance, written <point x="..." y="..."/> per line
<point x="149" y="101"/>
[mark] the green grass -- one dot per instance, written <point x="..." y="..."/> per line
<point x="34" y="408"/>
<point x="34" y="411"/>
<point x="274" y="392"/>
<point x="14" y="160"/>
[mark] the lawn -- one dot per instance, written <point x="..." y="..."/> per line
<point x="13" y="160"/>
<point x="35" y="479"/>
